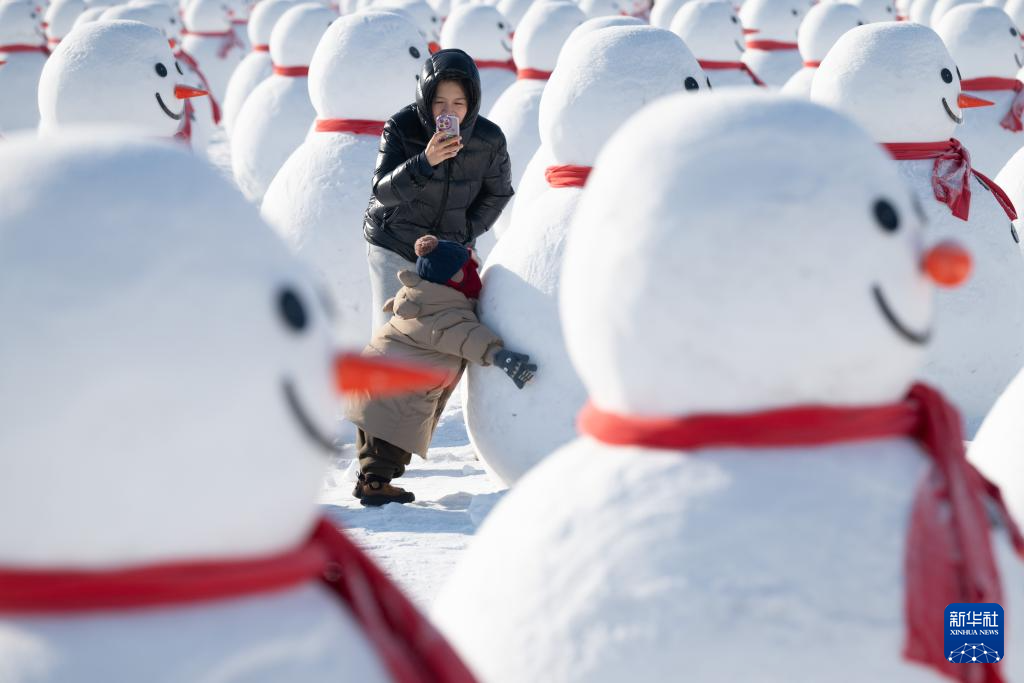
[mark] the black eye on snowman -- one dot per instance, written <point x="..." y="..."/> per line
<point x="947" y="75"/>
<point x="735" y="20"/>
<point x="691" y="83"/>
<point x="433" y="20"/>
<point x="796" y="13"/>
<point x="501" y="26"/>
<point x="178" y="67"/>
<point x="886" y="216"/>
<point x="1013" y="32"/>
<point x="292" y="310"/>
<point x="161" y="70"/>
<point x="414" y="52"/>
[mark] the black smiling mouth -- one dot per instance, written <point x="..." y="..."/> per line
<point x="738" y="46"/>
<point x="160" y="101"/>
<point x="913" y="337"/>
<point x="292" y="398"/>
<point x="1016" y="58"/>
<point x="958" y="119"/>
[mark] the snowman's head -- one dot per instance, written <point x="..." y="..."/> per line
<point x="263" y="18"/>
<point x="876" y="10"/>
<point x="157" y="14"/>
<point x="693" y="283"/>
<point x="365" y="66"/>
<point x="90" y="15"/>
<point x="207" y="16"/>
<point x="542" y="32"/>
<point x="605" y="77"/>
<point x="480" y="31"/>
<point x="942" y="7"/>
<point x="20" y="23"/>
<point x="113" y="72"/>
<point x="605" y="8"/>
<point x="983" y="41"/>
<point x="295" y="35"/>
<point x="167" y="373"/>
<point x="711" y="29"/>
<point x="514" y="10"/>
<point x="420" y="13"/>
<point x="823" y="26"/>
<point x="773" y="19"/>
<point x="896" y="79"/>
<point x="596" y="24"/>
<point x="60" y="18"/>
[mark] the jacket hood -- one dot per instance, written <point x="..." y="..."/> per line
<point x="419" y="298"/>
<point x="443" y="65"/>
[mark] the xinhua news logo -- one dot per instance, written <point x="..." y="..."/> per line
<point x="974" y="633"/>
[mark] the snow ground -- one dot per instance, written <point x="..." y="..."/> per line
<point x="418" y="544"/>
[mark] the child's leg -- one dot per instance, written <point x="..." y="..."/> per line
<point x="380" y="462"/>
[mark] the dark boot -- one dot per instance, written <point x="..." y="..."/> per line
<point x="374" y="491"/>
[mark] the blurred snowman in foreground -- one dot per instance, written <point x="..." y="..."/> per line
<point x="789" y="497"/>
<point x="163" y="469"/>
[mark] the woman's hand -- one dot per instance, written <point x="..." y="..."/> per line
<point x="442" y="147"/>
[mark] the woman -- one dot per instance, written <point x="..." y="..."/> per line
<point x="428" y="184"/>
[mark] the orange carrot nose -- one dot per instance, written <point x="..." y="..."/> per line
<point x="947" y="264"/>
<point x="970" y="101"/>
<point x="184" y="92"/>
<point x="434" y="46"/>
<point x="751" y="31"/>
<point x="381" y="376"/>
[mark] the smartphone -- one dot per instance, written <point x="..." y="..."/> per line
<point x="448" y="124"/>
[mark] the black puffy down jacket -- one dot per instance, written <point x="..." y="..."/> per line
<point x="458" y="200"/>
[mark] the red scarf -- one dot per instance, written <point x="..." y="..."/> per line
<point x="291" y="71"/>
<point x="951" y="174"/>
<point x="261" y="48"/>
<point x="191" y="62"/>
<point x="709" y="65"/>
<point x="1012" y="120"/>
<point x="946" y="558"/>
<point x="230" y="40"/>
<point x="496" y="64"/>
<point x="567" y="175"/>
<point x="11" y="49"/>
<point x="354" y="126"/>
<point x="471" y="285"/>
<point x="533" y="75"/>
<point x="770" y="45"/>
<point x="408" y="645"/>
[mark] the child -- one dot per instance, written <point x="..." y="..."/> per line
<point x="434" y="323"/>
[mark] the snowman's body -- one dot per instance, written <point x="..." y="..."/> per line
<point x="277" y="115"/>
<point x="713" y="33"/>
<point x="793" y="555"/>
<point x="22" y="49"/>
<point x="772" y="51"/>
<point x="820" y="29"/>
<point x="512" y="429"/>
<point x="300" y="633"/>
<point x="257" y="65"/>
<point x="539" y="39"/>
<point x="986" y="46"/>
<point x="211" y="40"/>
<point x="318" y="198"/>
<point x="979" y="341"/>
<point x="483" y="33"/>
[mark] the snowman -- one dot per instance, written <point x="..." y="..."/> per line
<point x="532" y="181"/>
<point x="900" y="83"/>
<point x="664" y="11"/>
<point x="988" y="51"/>
<point x="60" y="19"/>
<point x="604" y="8"/>
<point x="257" y="66"/>
<point x="362" y="73"/>
<point x="747" y="501"/>
<point x="422" y="15"/>
<point x="23" y="53"/>
<point x="879" y="10"/>
<point x="119" y="73"/>
<point x="921" y="11"/>
<point x="91" y="14"/>
<point x="600" y="80"/>
<point x="943" y="7"/>
<point x="277" y="114"/>
<point x="539" y="38"/>
<point x="211" y="40"/>
<point x="771" y="28"/>
<point x="163" y="468"/>
<point x="820" y="29"/>
<point x="712" y="31"/>
<point x="238" y="13"/>
<point x="514" y="10"/>
<point x="486" y="36"/>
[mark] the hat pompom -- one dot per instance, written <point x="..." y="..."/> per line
<point x="425" y="245"/>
